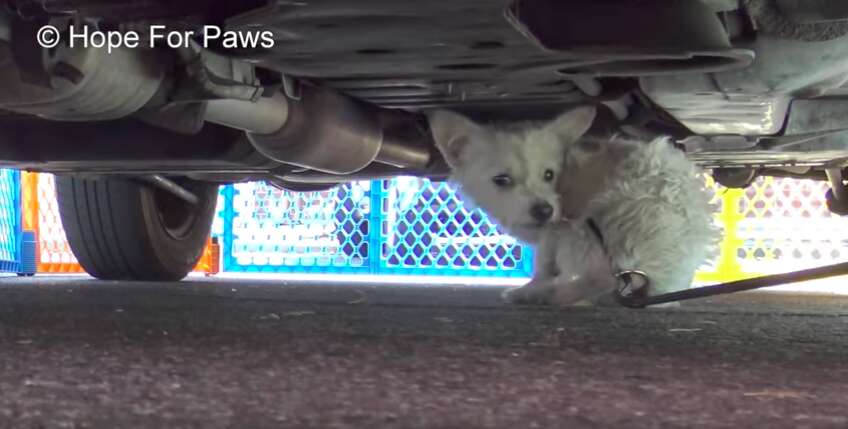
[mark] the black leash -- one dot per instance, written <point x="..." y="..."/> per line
<point x="633" y="294"/>
<point x="626" y="296"/>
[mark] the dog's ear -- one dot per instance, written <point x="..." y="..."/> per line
<point x="452" y="133"/>
<point x="572" y="124"/>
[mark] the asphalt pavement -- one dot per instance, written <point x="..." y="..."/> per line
<point x="220" y="353"/>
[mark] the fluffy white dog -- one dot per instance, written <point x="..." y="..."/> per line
<point x="592" y="209"/>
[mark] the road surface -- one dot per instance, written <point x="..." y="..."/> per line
<point x="252" y="354"/>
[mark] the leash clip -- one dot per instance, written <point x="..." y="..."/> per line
<point x="632" y="288"/>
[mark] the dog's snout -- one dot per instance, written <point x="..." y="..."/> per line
<point x="541" y="212"/>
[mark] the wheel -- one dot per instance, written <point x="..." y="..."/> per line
<point x="121" y="229"/>
<point x="837" y="207"/>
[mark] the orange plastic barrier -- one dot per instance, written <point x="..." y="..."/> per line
<point x="210" y="261"/>
<point x="41" y="215"/>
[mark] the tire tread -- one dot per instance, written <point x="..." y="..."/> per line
<point x="106" y="230"/>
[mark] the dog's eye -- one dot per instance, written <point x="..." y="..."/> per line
<point x="502" y="180"/>
<point x="549" y="175"/>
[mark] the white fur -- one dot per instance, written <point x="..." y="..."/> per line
<point x="647" y="199"/>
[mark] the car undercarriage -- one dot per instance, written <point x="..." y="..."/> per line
<point x="309" y="94"/>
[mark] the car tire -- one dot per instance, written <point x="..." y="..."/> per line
<point x="123" y="229"/>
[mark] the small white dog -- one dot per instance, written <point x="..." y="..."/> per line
<point x="592" y="210"/>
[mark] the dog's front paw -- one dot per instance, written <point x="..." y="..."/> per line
<point x="527" y="296"/>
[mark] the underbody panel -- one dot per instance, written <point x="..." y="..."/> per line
<point x="743" y="84"/>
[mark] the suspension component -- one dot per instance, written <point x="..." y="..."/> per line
<point x="837" y="196"/>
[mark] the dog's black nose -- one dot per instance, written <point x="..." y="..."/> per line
<point x="541" y="212"/>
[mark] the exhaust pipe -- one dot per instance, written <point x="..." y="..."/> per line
<point x="325" y="131"/>
<point x="322" y="130"/>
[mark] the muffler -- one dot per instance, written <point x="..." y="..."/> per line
<point x="85" y="84"/>
<point x="325" y="131"/>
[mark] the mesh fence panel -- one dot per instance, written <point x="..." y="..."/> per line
<point x="785" y="225"/>
<point x="278" y="231"/>
<point x="10" y="220"/>
<point x="428" y="229"/>
<point x="401" y="226"/>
